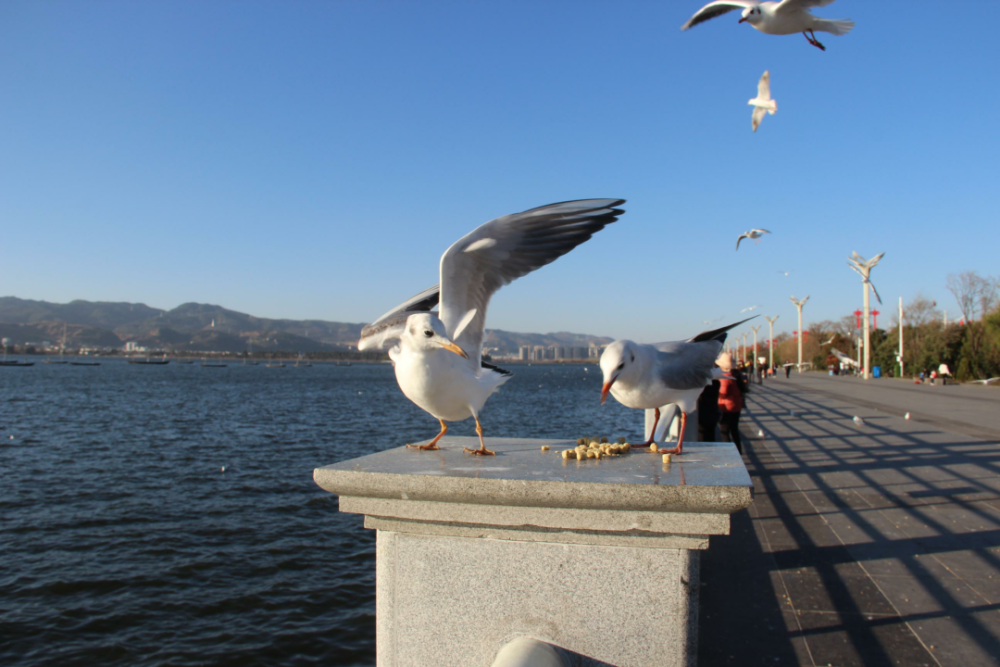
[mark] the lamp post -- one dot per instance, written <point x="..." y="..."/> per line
<point x="900" y="336"/>
<point x="755" y="330"/>
<point x="743" y="358"/>
<point x="863" y="268"/>
<point x="770" y="344"/>
<point x="799" y="304"/>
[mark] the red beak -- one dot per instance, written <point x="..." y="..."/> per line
<point x="604" y="391"/>
<point x="742" y="20"/>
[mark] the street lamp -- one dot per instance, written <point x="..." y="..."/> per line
<point x="799" y="304"/>
<point x="770" y="345"/>
<point x="863" y="268"/>
<point x="755" y="330"/>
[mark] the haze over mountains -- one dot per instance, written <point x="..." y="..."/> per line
<point x="199" y="327"/>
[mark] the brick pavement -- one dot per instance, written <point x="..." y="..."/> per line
<point x="871" y="545"/>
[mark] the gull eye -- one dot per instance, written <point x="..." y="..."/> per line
<point x="428" y="334"/>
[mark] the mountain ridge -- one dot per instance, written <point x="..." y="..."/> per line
<point x="202" y="327"/>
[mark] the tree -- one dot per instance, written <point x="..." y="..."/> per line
<point x="976" y="295"/>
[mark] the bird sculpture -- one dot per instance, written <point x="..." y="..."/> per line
<point x="754" y="234"/>
<point x="438" y="360"/>
<point x="776" y="18"/>
<point x="763" y="103"/>
<point x="647" y="377"/>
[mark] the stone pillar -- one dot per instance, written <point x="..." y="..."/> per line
<point x="597" y="557"/>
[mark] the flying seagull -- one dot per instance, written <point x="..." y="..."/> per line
<point x="762" y="103"/>
<point x="843" y="358"/>
<point x="786" y="273"/>
<point x="748" y="309"/>
<point x="754" y="234"/>
<point x="650" y="376"/>
<point x="438" y="359"/>
<point x="829" y="341"/>
<point x="776" y="18"/>
<point x="987" y="381"/>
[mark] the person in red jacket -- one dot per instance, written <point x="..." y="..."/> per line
<point x="731" y="389"/>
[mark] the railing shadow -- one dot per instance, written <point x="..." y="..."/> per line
<point x="846" y="498"/>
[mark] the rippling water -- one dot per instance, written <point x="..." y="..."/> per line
<point x="123" y="542"/>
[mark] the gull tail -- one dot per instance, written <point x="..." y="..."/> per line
<point x="834" y="26"/>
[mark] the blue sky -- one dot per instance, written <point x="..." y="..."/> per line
<point x="314" y="159"/>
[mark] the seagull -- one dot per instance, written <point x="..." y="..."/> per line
<point x="762" y="103"/>
<point x="438" y="359"/>
<point x="859" y="421"/>
<point x="906" y="416"/>
<point x="776" y="18"/>
<point x="750" y="308"/>
<point x="650" y="376"/>
<point x="786" y="273"/>
<point x="752" y="234"/>
<point x="829" y="342"/>
<point x="843" y="358"/>
<point x="982" y="382"/>
<point x="760" y="433"/>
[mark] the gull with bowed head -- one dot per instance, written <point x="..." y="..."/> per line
<point x="438" y="359"/>
<point x="647" y="377"/>
<point x="776" y="18"/>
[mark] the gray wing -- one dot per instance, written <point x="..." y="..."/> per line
<point x="502" y="250"/>
<point x="744" y="236"/>
<point x="714" y="9"/>
<point x="799" y="5"/>
<point x="392" y="324"/>
<point x="687" y="365"/>
<point x="755" y="119"/>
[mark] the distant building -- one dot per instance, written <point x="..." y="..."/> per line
<point x="132" y="346"/>
<point x="524" y="353"/>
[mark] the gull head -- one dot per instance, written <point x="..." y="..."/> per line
<point x="425" y="332"/>
<point x="752" y="15"/>
<point x="617" y="361"/>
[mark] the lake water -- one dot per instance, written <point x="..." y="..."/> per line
<point x="123" y="542"/>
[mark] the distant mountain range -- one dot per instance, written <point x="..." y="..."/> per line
<point x="199" y="327"/>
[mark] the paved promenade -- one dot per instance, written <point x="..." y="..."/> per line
<point x="870" y="545"/>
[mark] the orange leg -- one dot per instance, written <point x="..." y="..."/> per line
<point x="433" y="444"/>
<point x="812" y="40"/>
<point x="680" y="437"/>
<point x="482" y="451"/>
<point x="652" y="432"/>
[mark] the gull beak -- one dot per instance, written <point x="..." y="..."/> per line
<point x="742" y="20"/>
<point x="605" y="389"/>
<point x="451" y="347"/>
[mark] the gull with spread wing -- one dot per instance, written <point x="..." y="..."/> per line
<point x="647" y="377"/>
<point x="776" y="18"/>
<point x="752" y="234"/>
<point x="762" y="103"/>
<point x="438" y="360"/>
